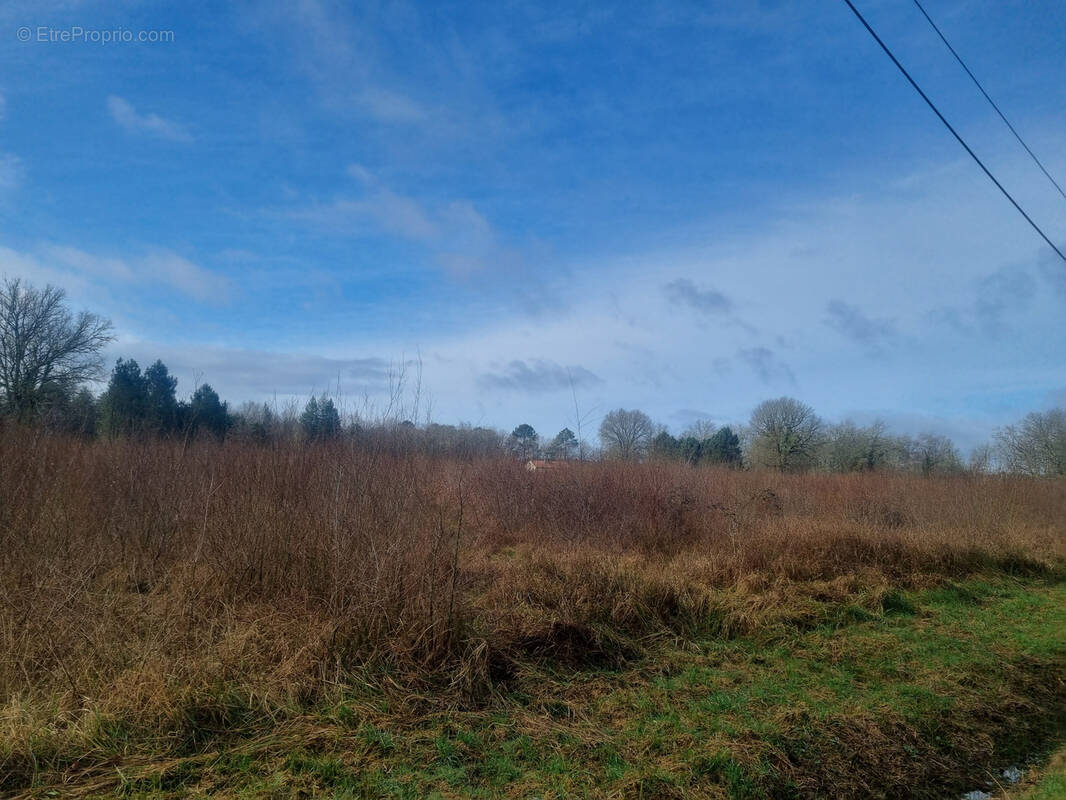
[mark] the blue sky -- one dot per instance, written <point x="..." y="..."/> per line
<point x="680" y="207"/>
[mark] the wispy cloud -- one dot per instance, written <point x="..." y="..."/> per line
<point x="538" y="375"/>
<point x="765" y="363"/>
<point x="188" y="278"/>
<point x="162" y="267"/>
<point x="999" y="299"/>
<point x="850" y="321"/>
<point x="1001" y="294"/>
<point x="706" y="301"/>
<point x="385" y="212"/>
<point x="389" y="106"/>
<point x="1054" y="271"/>
<point x="336" y="48"/>
<point x="245" y="374"/>
<point x="460" y="237"/>
<point x="123" y="112"/>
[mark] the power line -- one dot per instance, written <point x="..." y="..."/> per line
<point x="954" y="132"/>
<point x="991" y="102"/>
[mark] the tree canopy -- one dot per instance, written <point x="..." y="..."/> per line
<point x="564" y="445"/>
<point x="626" y="434"/>
<point x="320" y="419"/>
<point x="524" y="441"/>
<point x="1036" y="445"/>
<point x="46" y="351"/>
<point x="208" y="412"/>
<point x="785" y="433"/>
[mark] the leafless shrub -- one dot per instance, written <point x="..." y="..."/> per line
<point x="137" y="577"/>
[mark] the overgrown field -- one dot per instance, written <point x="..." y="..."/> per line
<point x="336" y="620"/>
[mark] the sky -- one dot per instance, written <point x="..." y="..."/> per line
<point x="538" y="212"/>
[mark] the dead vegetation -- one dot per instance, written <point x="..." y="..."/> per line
<point x="168" y="594"/>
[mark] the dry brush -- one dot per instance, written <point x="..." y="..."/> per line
<point x="181" y="590"/>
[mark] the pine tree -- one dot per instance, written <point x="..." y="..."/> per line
<point x="124" y="405"/>
<point x="208" y="412"/>
<point x="162" y="398"/>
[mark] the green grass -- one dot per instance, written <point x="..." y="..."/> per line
<point x="914" y="701"/>
<point x="1052" y="787"/>
<point x="1048" y="782"/>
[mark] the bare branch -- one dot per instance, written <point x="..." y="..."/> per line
<point x="45" y="350"/>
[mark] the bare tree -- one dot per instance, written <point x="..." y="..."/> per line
<point x="626" y="434"/>
<point x="1036" y="445"/>
<point x="700" y="429"/>
<point x="930" y="454"/>
<point x="850" y="448"/>
<point x="45" y="350"/>
<point x="785" y="434"/>
<point x="981" y="458"/>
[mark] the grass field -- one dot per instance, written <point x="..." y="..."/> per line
<point x="336" y="621"/>
<point x="1048" y="782"/>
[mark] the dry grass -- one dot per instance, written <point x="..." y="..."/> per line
<point x="166" y="594"/>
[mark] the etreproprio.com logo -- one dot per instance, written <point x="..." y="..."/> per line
<point x="76" y="34"/>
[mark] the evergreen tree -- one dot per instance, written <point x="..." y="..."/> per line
<point x="124" y="405"/>
<point x="564" y="445"/>
<point x="690" y="449"/>
<point x="664" y="446"/>
<point x="524" y="441"/>
<point x="76" y="413"/>
<point x="329" y="420"/>
<point x="320" y="419"/>
<point x="206" y="411"/>
<point x="723" y="447"/>
<point x="162" y="399"/>
<point x="309" y="419"/>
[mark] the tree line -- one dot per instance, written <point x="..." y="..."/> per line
<point x="49" y="355"/>
<point x="786" y="434"/>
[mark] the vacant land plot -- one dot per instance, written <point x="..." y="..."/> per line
<point x="345" y="621"/>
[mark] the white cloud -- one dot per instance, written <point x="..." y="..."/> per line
<point x="336" y="48"/>
<point x="361" y="173"/>
<point x="90" y="274"/>
<point x="241" y="374"/>
<point x="384" y="211"/>
<point x="887" y="260"/>
<point x="188" y="278"/>
<point x="401" y="215"/>
<point x="127" y="117"/>
<point x="460" y="237"/>
<point x="390" y="106"/>
<point x="883" y="261"/>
